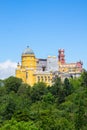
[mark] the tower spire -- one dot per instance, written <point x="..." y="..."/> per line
<point x="61" y="56"/>
<point x="27" y="46"/>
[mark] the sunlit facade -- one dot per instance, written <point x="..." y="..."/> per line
<point x="33" y="70"/>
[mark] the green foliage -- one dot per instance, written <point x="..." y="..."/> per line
<point x="24" y="90"/>
<point x="2" y="91"/>
<point x="61" y="97"/>
<point x="84" y="79"/>
<point x="57" y="86"/>
<point x="48" y="98"/>
<point x="38" y="90"/>
<point x="67" y="106"/>
<point x="14" y="125"/>
<point x="9" y="110"/>
<point x="67" y="87"/>
<point x="80" y="116"/>
<point x="76" y="83"/>
<point x="64" y="124"/>
<point x="12" y="84"/>
<point x="62" y="106"/>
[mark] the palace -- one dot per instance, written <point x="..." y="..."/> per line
<point x="33" y="70"/>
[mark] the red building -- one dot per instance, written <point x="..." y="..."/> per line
<point x="68" y="68"/>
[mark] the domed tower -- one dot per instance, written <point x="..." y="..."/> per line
<point x="26" y="70"/>
<point x="61" y="56"/>
<point x="28" y="58"/>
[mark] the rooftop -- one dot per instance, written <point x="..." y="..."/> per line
<point x="28" y="51"/>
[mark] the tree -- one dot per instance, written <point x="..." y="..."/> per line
<point x="57" y="86"/>
<point x="12" y="84"/>
<point x="63" y="124"/>
<point x="48" y="98"/>
<point x="14" y="125"/>
<point x="38" y="90"/>
<point x="24" y="90"/>
<point x="80" y="116"/>
<point x="67" y="87"/>
<point x="9" y="110"/>
<point x="61" y="97"/>
<point x="84" y="79"/>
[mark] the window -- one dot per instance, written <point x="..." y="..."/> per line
<point x="42" y="78"/>
<point x="43" y="68"/>
<point x="38" y="78"/>
<point x="45" y="78"/>
<point x="26" y="75"/>
<point x="48" y="78"/>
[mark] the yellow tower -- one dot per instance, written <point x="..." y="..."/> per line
<point x="26" y="70"/>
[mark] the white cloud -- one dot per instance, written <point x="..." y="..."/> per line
<point x="7" y="69"/>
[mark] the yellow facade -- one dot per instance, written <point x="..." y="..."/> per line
<point x="28" y="72"/>
<point x="69" y="68"/>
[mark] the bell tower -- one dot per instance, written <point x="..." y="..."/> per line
<point x="61" y="56"/>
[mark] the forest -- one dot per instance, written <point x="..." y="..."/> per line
<point x="62" y="106"/>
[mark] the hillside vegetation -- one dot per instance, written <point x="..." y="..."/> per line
<point x="62" y="106"/>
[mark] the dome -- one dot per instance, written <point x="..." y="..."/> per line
<point x="28" y="51"/>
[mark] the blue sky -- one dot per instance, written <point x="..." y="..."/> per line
<point x="44" y="25"/>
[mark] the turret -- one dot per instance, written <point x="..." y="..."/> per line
<point x="61" y="56"/>
<point x="28" y="58"/>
